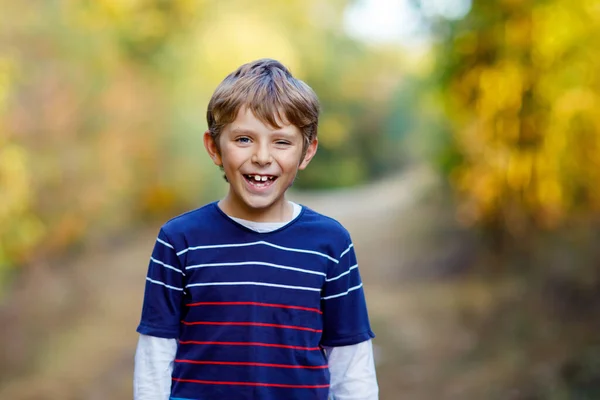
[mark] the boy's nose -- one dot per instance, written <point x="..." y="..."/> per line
<point x="262" y="155"/>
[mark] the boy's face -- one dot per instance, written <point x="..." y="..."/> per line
<point x="260" y="163"/>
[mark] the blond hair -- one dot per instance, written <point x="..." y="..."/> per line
<point x="268" y="89"/>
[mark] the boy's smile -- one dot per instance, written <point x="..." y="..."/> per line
<point x="260" y="163"/>
<point x="260" y="181"/>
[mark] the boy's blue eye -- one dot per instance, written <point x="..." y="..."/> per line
<point x="285" y="142"/>
<point x="243" y="140"/>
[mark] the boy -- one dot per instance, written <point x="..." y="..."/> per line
<point x="255" y="297"/>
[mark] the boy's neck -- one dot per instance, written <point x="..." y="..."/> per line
<point x="282" y="212"/>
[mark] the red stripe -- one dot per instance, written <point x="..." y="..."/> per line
<point x="252" y="384"/>
<point x="251" y="303"/>
<point x="283" y="346"/>
<point x="301" y="328"/>
<point x="252" y="364"/>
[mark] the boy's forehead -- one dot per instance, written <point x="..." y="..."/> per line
<point x="247" y="120"/>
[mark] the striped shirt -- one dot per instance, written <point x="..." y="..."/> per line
<point x="251" y="311"/>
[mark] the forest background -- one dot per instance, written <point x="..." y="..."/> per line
<point x="483" y="114"/>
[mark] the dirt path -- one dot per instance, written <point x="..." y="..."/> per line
<point x="89" y="354"/>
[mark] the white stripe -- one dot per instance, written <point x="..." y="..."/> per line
<point x="164" y="284"/>
<point x="166" y="265"/>
<point x="165" y="243"/>
<point x="342" y="294"/>
<point x="347" y="250"/>
<point x="217" y="246"/>
<point x="253" y="283"/>
<point x="256" y="263"/>
<point x="343" y="273"/>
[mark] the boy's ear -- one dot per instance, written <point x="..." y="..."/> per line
<point x="311" y="150"/>
<point x="212" y="149"/>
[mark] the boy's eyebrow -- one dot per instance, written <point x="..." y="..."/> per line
<point x="242" y="131"/>
<point x="284" y="133"/>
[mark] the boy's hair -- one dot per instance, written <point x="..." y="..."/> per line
<point x="269" y="90"/>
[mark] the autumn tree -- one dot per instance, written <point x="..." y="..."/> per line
<point x="102" y="108"/>
<point x="521" y="89"/>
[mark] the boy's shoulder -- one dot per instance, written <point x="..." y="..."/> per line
<point x="322" y="224"/>
<point x="208" y="218"/>
<point x="198" y="219"/>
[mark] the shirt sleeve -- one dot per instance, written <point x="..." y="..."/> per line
<point x="345" y="318"/>
<point x="154" y="359"/>
<point x="163" y="296"/>
<point x="352" y="370"/>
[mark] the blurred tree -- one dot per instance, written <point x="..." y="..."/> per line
<point x="519" y="84"/>
<point x="103" y="107"/>
<point x="21" y="229"/>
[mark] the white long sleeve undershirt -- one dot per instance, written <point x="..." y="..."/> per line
<point x="352" y="368"/>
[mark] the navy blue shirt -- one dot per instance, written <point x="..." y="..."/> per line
<point x="252" y="310"/>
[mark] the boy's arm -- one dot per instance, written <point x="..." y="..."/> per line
<point x="160" y="322"/>
<point x="153" y="367"/>
<point x="347" y="331"/>
<point x="352" y="371"/>
<point x="164" y="292"/>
